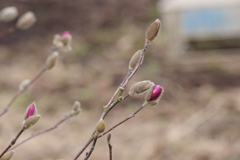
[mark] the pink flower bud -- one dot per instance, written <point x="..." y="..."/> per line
<point x="66" y="33"/>
<point x="31" y="110"/>
<point x="156" y="92"/>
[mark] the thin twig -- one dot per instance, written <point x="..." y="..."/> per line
<point x="116" y="96"/>
<point x="19" y="92"/>
<point x="6" y="32"/>
<point x="13" y="142"/>
<point x="82" y="150"/>
<point x="91" y="150"/>
<point x="109" y="146"/>
<point x="116" y="125"/>
<point x="42" y="132"/>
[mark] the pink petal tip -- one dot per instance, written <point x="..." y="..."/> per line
<point x="66" y="33"/>
<point x="156" y="92"/>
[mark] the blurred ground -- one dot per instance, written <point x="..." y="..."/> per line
<point x="197" y="118"/>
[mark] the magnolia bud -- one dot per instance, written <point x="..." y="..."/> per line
<point x="51" y="60"/>
<point x="8" y="155"/>
<point x="63" y="42"/>
<point x="134" y="60"/>
<point x="31" y="121"/>
<point x="140" y="87"/>
<point x="8" y="14"/>
<point x="154" y="94"/>
<point x="100" y="126"/>
<point x="76" y="108"/>
<point x="153" y="30"/>
<point x="24" y="84"/>
<point x="26" y="20"/>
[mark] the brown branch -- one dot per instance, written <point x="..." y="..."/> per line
<point x="6" y="32"/>
<point x="109" y="146"/>
<point x="118" y="124"/>
<point x="19" y="92"/>
<point x="12" y="142"/>
<point x="91" y="150"/>
<point x="42" y="132"/>
<point x="82" y="150"/>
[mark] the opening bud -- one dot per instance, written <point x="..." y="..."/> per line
<point x="51" y="60"/>
<point x="100" y="126"/>
<point x="31" y="110"/>
<point x="153" y="30"/>
<point x="31" y="121"/>
<point x="24" y="84"/>
<point x="76" y="108"/>
<point x="26" y="20"/>
<point x="154" y="94"/>
<point x="63" y="42"/>
<point x="134" y="60"/>
<point x="8" y="14"/>
<point x="140" y="87"/>
<point x="8" y="155"/>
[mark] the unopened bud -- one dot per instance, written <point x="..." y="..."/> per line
<point x="154" y="94"/>
<point x="8" y="155"/>
<point x="8" y="14"/>
<point x="51" y="60"/>
<point x="63" y="42"/>
<point x="24" y="84"/>
<point x="26" y="20"/>
<point x="76" y="108"/>
<point x="134" y="60"/>
<point x="31" y="110"/>
<point x="153" y="30"/>
<point x="31" y="121"/>
<point x="100" y="126"/>
<point x="109" y="137"/>
<point x="140" y="87"/>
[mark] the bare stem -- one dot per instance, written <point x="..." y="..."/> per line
<point x="92" y="148"/>
<point x="82" y="150"/>
<point x="126" y="119"/>
<point x="12" y="142"/>
<point x="42" y="132"/>
<point x="6" y="32"/>
<point x="19" y="92"/>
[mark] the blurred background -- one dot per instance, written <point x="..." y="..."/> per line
<point x="195" y="58"/>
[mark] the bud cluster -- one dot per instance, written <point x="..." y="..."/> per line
<point x="63" y="42"/>
<point x="154" y="92"/>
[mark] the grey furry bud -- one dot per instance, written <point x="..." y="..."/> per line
<point x="8" y="14"/>
<point x="8" y="155"/>
<point x="26" y="20"/>
<point x="31" y="121"/>
<point x="134" y="60"/>
<point x="24" y="84"/>
<point x="76" y="108"/>
<point x="140" y="87"/>
<point x="51" y="60"/>
<point x="153" y="31"/>
<point x="100" y="126"/>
